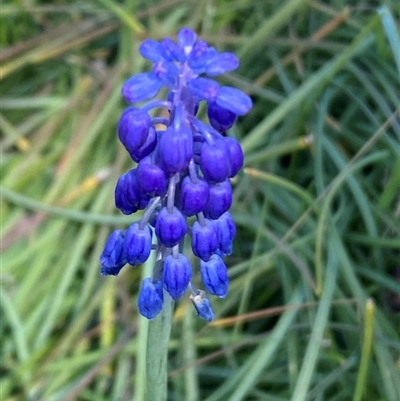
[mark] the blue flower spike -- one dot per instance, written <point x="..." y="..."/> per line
<point x="183" y="171"/>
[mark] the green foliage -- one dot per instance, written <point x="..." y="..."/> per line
<point x="313" y="310"/>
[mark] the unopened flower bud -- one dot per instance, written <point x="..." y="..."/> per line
<point x="137" y="244"/>
<point x="176" y="275"/>
<point x="214" y="275"/>
<point x="151" y="298"/>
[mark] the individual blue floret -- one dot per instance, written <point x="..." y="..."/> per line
<point x="113" y="257"/>
<point x="151" y="298"/>
<point x="226" y="232"/>
<point x="221" y="119"/>
<point x="204" y="239"/>
<point x="170" y="226"/>
<point x="214" y="276"/>
<point x="137" y="244"/>
<point x="177" y="273"/>
<point x="133" y="128"/>
<point x="220" y="199"/>
<point x="214" y="161"/>
<point x="151" y="178"/>
<point x="175" y="149"/>
<point x="141" y="87"/>
<point x="202" y="305"/>
<point x="194" y="195"/>
<point x="129" y="198"/>
<point x="236" y="156"/>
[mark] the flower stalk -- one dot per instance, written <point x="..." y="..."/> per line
<point x="159" y="330"/>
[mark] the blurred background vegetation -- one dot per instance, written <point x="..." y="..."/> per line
<point x="313" y="309"/>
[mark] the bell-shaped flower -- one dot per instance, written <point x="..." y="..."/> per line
<point x="221" y="63"/>
<point x="137" y="244"/>
<point x="170" y="226"/>
<point x="221" y="119"/>
<point x="220" y="200"/>
<point x="226" y="232"/>
<point x="144" y="150"/>
<point x="234" y="100"/>
<point x="139" y="87"/>
<point x="129" y="198"/>
<point x="133" y="128"/>
<point x="236" y="156"/>
<point x="214" y="161"/>
<point x="177" y="273"/>
<point x="194" y="196"/>
<point x="151" y="298"/>
<point x="214" y="275"/>
<point x="113" y="257"/>
<point x="204" y="239"/>
<point x="151" y="178"/>
<point x="175" y="149"/>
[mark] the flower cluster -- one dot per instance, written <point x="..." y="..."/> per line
<point x="182" y="178"/>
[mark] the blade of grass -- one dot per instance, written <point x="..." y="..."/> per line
<point x="310" y="88"/>
<point x="361" y="384"/>
<point x="311" y="357"/>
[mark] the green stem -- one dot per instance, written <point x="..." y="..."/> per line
<point x="361" y="384"/>
<point x="157" y="352"/>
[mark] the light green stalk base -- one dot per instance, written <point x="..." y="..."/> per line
<point x="157" y="352"/>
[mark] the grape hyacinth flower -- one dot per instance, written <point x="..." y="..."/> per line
<point x="182" y="178"/>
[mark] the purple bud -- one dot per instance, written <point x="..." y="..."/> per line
<point x="221" y="119"/>
<point x="153" y="50"/>
<point x="204" y="239"/>
<point x="176" y="275"/>
<point x="151" y="298"/>
<point x="113" y="257"/>
<point x="133" y="128"/>
<point x="151" y="178"/>
<point x="236" y="156"/>
<point x="234" y="100"/>
<point x="226" y="232"/>
<point x="221" y="63"/>
<point x="202" y="306"/>
<point x="214" y="275"/>
<point x="128" y="196"/>
<point x="170" y="227"/>
<point x="175" y="149"/>
<point x="137" y="154"/>
<point x="204" y="88"/>
<point x="137" y="244"/>
<point x="186" y="39"/>
<point x="214" y="161"/>
<point x="194" y="196"/>
<point x="220" y="200"/>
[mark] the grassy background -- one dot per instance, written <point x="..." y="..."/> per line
<point x="313" y="310"/>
